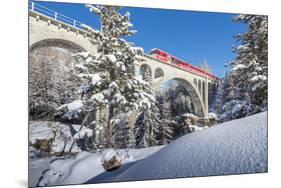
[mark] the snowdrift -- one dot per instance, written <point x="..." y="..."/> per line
<point x="234" y="147"/>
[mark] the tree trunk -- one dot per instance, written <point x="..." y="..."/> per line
<point x="109" y="127"/>
<point x="81" y="127"/>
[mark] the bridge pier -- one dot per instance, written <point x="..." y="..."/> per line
<point x="206" y="97"/>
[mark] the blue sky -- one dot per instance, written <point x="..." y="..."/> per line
<point x="190" y="35"/>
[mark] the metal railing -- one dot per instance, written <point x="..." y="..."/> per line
<point x="35" y="7"/>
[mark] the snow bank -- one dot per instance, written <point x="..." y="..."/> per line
<point x="235" y="147"/>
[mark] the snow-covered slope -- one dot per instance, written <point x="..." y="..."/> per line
<point x="235" y="147"/>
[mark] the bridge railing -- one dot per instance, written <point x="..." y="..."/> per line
<point x="35" y="7"/>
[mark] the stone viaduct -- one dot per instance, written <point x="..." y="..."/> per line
<point x="54" y="29"/>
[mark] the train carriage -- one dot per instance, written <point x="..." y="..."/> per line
<point x="170" y="59"/>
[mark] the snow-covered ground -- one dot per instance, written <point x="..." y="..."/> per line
<point x="85" y="166"/>
<point x="234" y="147"/>
<point x="36" y="168"/>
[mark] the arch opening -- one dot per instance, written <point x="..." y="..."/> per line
<point x="178" y="96"/>
<point x="50" y="66"/>
<point x="145" y="72"/>
<point x="59" y="43"/>
<point x="158" y="73"/>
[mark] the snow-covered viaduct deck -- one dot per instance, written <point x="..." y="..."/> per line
<point x="48" y="30"/>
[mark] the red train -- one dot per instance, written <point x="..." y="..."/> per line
<point x="169" y="59"/>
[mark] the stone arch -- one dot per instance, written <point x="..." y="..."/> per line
<point x="158" y="73"/>
<point x="50" y="62"/>
<point x="194" y="95"/>
<point x="146" y="72"/>
<point x="60" y="43"/>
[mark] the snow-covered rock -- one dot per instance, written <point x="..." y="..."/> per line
<point x="60" y="136"/>
<point x="39" y="131"/>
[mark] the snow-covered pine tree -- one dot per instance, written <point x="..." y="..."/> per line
<point x="49" y="82"/>
<point x="148" y="126"/>
<point x="123" y="132"/>
<point x="246" y="84"/>
<point x="107" y="77"/>
<point x="166" y="131"/>
<point x="230" y="91"/>
<point x="234" y="99"/>
<point x="219" y="97"/>
<point x="43" y="99"/>
<point x="250" y="66"/>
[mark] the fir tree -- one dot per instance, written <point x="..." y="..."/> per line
<point x="245" y="88"/>
<point x="148" y="127"/>
<point x="107" y="77"/>
<point x="219" y="97"/>
<point x="249" y="68"/>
